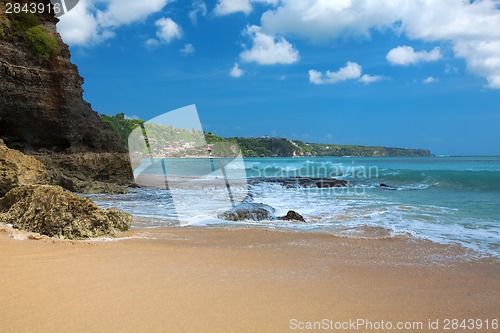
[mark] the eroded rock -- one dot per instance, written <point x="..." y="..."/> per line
<point x="55" y="212"/>
<point x="292" y="216"/>
<point x="249" y="211"/>
<point x="18" y="169"/>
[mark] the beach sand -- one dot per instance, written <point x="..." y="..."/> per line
<point x="239" y="280"/>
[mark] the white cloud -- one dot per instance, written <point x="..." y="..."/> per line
<point x="494" y="81"/>
<point x="236" y="71"/>
<point x="351" y="71"/>
<point x="198" y="8"/>
<point x="79" y="26"/>
<point x="472" y="28"/>
<point x="168" y="30"/>
<point x="406" y="55"/>
<point x="119" y="12"/>
<point x="483" y="58"/>
<point x="225" y="7"/>
<point x="187" y="49"/>
<point x="430" y="80"/>
<point x="268" y="50"/>
<point x="86" y="25"/>
<point x="315" y="77"/>
<point x="367" y="78"/>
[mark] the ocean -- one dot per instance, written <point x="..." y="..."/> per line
<point x="449" y="200"/>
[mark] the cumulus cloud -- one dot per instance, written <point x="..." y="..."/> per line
<point x="351" y="71"/>
<point x="430" y="80"/>
<point x="119" y="12"/>
<point x="79" y="26"/>
<point x="87" y="25"/>
<point x="268" y="50"/>
<point x="168" y="30"/>
<point x="406" y="55"/>
<point x="236" y="71"/>
<point x="187" y="49"/>
<point x="472" y="28"/>
<point x="226" y="7"/>
<point x="483" y="58"/>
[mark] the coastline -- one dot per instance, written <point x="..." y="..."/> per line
<point x="237" y="280"/>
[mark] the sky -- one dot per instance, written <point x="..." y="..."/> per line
<point x="397" y="73"/>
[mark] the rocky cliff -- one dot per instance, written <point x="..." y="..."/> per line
<point x="27" y="203"/>
<point x="42" y="111"/>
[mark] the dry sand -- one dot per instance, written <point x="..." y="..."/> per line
<point x="238" y="280"/>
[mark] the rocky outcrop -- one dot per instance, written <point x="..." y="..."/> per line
<point x="88" y="172"/>
<point x="18" y="169"/>
<point x="249" y="211"/>
<point x="42" y="110"/>
<point x="55" y="212"/>
<point x="292" y="216"/>
<point x="289" y="182"/>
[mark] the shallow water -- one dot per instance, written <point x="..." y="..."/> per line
<point x="443" y="199"/>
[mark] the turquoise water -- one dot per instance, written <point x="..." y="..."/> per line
<point x="443" y="199"/>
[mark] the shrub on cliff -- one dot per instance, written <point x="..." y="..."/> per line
<point x="28" y="26"/>
<point x="42" y="44"/>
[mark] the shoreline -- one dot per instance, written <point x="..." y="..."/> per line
<point x="237" y="280"/>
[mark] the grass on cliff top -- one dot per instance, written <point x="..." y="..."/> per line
<point x="28" y="27"/>
<point x="42" y="44"/>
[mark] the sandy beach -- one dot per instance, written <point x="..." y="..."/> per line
<point x="239" y="280"/>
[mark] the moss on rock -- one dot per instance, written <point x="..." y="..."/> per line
<point x="55" y="212"/>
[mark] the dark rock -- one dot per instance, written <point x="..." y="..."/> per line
<point x="289" y="182"/>
<point x="88" y="172"/>
<point x="55" y="212"/>
<point x="18" y="169"/>
<point x="325" y="183"/>
<point x="249" y="211"/>
<point x="387" y="187"/>
<point x="292" y="216"/>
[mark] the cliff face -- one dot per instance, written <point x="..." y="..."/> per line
<point x="42" y="111"/>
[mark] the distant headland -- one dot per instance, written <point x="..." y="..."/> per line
<point x="250" y="147"/>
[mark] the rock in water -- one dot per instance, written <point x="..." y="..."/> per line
<point x="249" y="211"/>
<point x="19" y="169"/>
<point x="290" y="182"/>
<point x="55" y="212"/>
<point x="292" y="216"/>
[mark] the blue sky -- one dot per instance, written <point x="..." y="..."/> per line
<point x="400" y="73"/>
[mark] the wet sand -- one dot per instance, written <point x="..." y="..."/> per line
<point x="239" y="280"/>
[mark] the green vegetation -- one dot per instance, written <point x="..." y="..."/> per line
<point x="42" y="43"/>
<point x="23" y="21"/>
<point x="122" y="126"/>
<point x="2" y="33"/>
<point x="27" y="26"/>
<point x="250" y="147"/>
